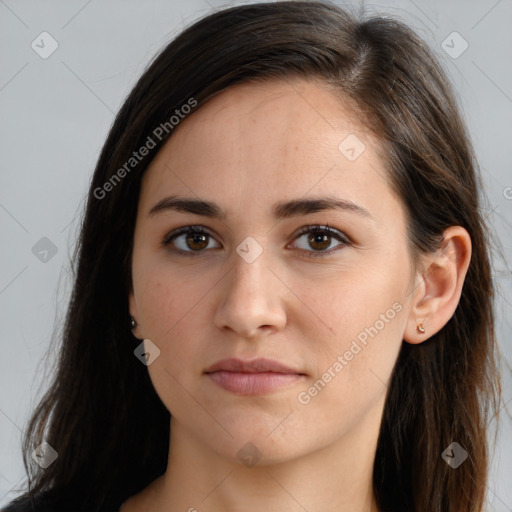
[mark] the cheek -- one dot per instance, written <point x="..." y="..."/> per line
<point x="352" y="370"/>
<point x="359" y="328"/>
<point x="357" y="301"/>
<point x="163" y="296"/>
<point x="168" y="321"/>
<point x="171" y="307"/>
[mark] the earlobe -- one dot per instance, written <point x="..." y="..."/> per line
<point x="437" y="291"/>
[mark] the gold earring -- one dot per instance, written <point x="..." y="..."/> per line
<point x="420" y="329"/>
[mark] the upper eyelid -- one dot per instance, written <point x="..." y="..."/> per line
<point x="324" y="228"/>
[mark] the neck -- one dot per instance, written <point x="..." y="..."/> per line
<point x="336" y="477"/>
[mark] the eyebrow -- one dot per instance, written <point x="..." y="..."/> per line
<point x="281" y="210"/>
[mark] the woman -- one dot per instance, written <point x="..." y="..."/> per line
<point x="283" y="297"/>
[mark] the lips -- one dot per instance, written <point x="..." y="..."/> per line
<point x="259" y="365"/>
<point x="254" y="377"/>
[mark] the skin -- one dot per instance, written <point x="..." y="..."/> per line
<point x="249" y="147"/>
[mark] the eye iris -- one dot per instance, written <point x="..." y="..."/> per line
<point x="197" y="238"/>
<point x="322" y="239"/>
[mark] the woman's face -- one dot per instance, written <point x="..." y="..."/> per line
<point x="332" y="307"/>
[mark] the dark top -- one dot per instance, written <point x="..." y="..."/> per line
<point x="39" y="503"/>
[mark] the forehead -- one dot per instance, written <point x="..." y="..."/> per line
<point x="268" y="141"/>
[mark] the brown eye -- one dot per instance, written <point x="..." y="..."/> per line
<point x="196" y="241"/>
<point x="319" y="241"/>
<point x="189" y="239"/>
<point x="320" y="238"/>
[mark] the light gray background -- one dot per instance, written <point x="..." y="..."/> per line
<point x="55" y="116"/>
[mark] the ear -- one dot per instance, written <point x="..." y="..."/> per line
<point x="134" y="313"/>
<point x="439" y="286"/>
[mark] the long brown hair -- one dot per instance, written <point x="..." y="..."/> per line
<point x="101" y="412"/>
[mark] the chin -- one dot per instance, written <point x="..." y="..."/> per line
<point x="254" y="443"/>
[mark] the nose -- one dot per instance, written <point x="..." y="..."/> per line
<point x="251" y="299"/>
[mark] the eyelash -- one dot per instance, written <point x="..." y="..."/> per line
<point x="341" y="237"/>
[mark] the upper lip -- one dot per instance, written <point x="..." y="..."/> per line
<point x="258" y="365"/>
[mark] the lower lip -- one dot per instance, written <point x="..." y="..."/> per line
<point x="253" y="383"/>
